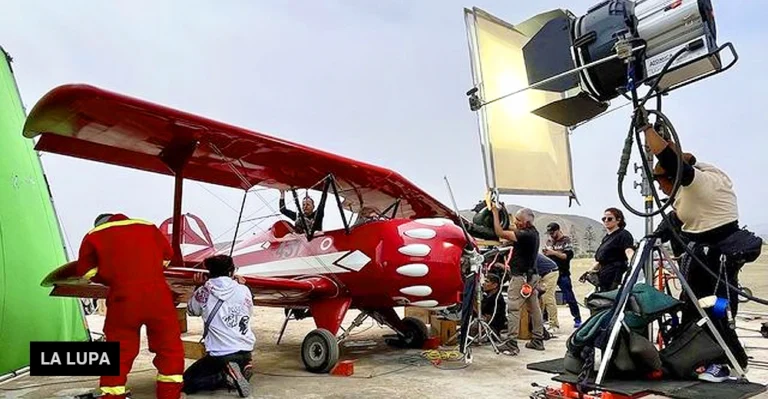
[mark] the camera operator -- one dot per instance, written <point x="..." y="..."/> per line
<point x="707" y="207"/>
<point x="522" y="268"/>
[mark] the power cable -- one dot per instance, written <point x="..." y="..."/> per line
<point x="626" y="153"/>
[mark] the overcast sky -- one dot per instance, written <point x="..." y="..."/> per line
<point x="382" y="82"/>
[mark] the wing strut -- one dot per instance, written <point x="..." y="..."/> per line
<point x="330" y="182"/>
<point x="176" y="156"/>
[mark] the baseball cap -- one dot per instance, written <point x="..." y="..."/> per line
<point x="553" y="227"/>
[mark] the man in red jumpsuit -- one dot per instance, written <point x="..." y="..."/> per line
<point x="128" y="256"/>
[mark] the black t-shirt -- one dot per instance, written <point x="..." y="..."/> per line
<point x="495" y="300"/>
<point x="525" y="250"/>
<point x="611" y="253"/>
<point x="562" y="245"/>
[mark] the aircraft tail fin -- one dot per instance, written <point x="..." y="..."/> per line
<point x="196" y="241"/>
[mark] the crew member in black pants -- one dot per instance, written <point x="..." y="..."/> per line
<point x="614" y="252"/>
<point x="707" y="207"/>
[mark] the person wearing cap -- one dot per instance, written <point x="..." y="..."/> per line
<point x="707" y="206"/>
<point x="129" y="256"/>
<point x="560" y="249"/>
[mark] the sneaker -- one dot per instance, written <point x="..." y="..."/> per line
<point x="237" y="381"/>
<point x="248" y="371"/>
<point x="509" y="348"/>
<point x="715" y="373"/>
<point x="577" y="324"/>
<point x="535" y="344"/>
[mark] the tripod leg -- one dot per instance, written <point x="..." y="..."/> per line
<point x="623" y="297"/>
<point x="689" y="292"/>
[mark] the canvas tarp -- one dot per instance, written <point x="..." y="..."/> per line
<point x="31" y="245"/>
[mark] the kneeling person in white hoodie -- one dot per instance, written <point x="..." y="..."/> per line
<point x="225" y="306"/>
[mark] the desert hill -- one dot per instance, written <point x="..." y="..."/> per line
<point x="586" y="233"/>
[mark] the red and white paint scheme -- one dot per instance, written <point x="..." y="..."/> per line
<point x="410" y="255"/>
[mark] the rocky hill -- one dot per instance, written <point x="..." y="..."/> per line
<point x="586" y="233"/>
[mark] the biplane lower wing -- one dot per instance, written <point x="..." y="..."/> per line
<point x="267" y="291"/>
<point x="90" y="123"/>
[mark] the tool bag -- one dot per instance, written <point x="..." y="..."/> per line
<point x="645" y="304"/>
<point x="688" y="348"/>
<point x="741" y="247"/>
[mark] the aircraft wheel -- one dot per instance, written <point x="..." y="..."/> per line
<point x="416" y="333"/>
<point x="320" y="351"/>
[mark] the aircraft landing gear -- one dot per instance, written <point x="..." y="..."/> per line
<point x="411" y="332"/>
<point x="414" y="334"/>
<point x="320" y="351"/>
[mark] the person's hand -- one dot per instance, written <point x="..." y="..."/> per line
<point x="547" y="251"/>
<point x="199" y="278"/>
<point x="641" y="118"/>
<point x="239" y="279"/>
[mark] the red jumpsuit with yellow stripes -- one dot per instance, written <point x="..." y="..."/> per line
<point x="129" y="256"/>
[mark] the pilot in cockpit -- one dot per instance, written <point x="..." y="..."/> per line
<point x="367" y="214"/>
<point x="308" y="213"/>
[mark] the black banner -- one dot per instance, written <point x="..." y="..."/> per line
<point x="74" y="358"/>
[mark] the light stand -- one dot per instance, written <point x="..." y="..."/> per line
<point x="643" y="258"/>
<point x="484" y="329"/>
<point x="644" y="251"/>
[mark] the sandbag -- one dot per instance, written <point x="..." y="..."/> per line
<point x="689" y="348"/>
<point x="635" y="356"/>
<point x="645" y="304"/>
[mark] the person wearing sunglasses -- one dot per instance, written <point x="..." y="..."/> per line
<point x="615" y="250"/>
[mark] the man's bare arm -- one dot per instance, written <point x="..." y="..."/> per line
<point x="654" y="141"/>
<point x="501" y="233"/>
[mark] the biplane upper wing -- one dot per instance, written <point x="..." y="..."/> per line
<point x="87" y="122"/>
<point x="266" y="290"/>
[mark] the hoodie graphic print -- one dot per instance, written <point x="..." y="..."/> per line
<point x="229" y="331"/>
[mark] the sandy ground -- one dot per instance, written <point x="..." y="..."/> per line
<point x="380" y="371"/>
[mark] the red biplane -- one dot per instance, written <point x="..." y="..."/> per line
<point x="411" y="254"/>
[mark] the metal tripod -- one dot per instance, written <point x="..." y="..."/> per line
<point x="484" y="329"/>
<point x="645" y="249"/>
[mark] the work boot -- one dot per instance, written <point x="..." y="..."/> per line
<point x="237" y="380"/>
<point x="509" y="348"/>
<point x="535" y="344"/>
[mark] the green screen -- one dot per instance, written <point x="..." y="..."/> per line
<point x="30" y="242"/>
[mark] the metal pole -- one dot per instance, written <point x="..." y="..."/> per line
<point x="561" y="75"/>
<point x="621" y="302"/>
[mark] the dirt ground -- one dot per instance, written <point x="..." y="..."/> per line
<point x="381" y="371"/>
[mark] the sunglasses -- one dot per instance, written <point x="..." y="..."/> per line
<point x="608" y="219"/>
